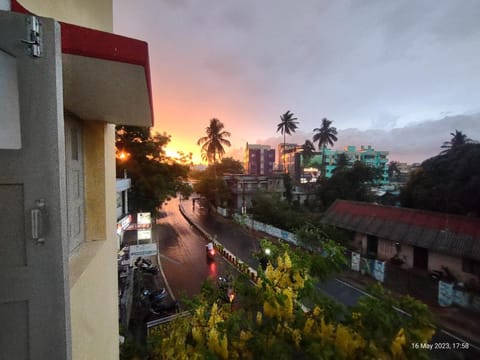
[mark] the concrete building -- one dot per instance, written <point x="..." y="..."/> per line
<point x="244" y="187"/>
<point x="259" y="159"/>
<point x="287" y="157"/>
<point x="423" y="240"/>
<point x="64" y="82"/>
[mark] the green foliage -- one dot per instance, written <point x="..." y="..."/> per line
<point x="155" y="177"/>
<point x="348" y="184"/>
<point x="416" y="323"/>
<point x="270" y="209"/>
<point x="448" y="182"/>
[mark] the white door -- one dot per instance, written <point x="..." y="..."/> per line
<point x="34" y="291"/>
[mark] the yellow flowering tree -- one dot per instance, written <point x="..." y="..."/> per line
<point x="269" y="322"/>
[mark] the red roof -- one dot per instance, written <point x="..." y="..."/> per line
<point x="442" y="232"/>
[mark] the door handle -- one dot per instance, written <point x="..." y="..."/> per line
<point x="38" y="221"/>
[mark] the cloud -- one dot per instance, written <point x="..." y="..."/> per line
<point x="412" y="143"/>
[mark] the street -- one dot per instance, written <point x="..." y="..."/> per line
<point x="183" y="255"/>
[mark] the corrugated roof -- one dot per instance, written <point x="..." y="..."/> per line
<point x="444" y="233"/>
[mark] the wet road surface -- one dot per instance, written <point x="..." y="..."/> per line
<point x="183" y="254"/>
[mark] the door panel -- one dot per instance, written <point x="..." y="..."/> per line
<point x="34" y="291"/>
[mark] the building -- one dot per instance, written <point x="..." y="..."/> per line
<point x="244" y="187"/>
<point x="63" y="89"/>
<point x="287" y="157"/>
<point x="423" y="240"/>
<point x="367" y="155"/>
<point x="259" y="159"/>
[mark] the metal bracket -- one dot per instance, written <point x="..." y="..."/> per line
<point x="34" y="40"/>
<point x="39" y="221"/>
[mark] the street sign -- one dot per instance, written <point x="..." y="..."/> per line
<point x="143" y="250"/>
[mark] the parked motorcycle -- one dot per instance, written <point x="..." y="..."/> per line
<point x="154" y="296"/>
<point x="226" y="285"/>
<point x="146" y="266"/>
<point x="444" y="275"/>
<point x="164" y="309"/>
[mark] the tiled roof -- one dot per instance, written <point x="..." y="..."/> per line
<point x="445" y="233"/>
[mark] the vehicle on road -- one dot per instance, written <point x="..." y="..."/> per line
<point x="210" y="252"/>
<point x="225" y="284"/>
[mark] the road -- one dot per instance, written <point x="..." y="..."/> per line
<point x="182" y="253"/>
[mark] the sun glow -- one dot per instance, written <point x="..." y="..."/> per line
<point x="175" y="151"/>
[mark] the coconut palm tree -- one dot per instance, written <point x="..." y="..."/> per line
<point x="287" y="125"/>
<point x="458" y="139"/>
<point x="325" y="135"/>
<point x="213" y="143"/>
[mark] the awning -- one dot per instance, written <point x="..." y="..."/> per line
<point x="106" y="77"/>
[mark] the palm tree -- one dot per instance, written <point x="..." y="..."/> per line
<point x="325" y="135"/>
<point x="213" y="143"/>
<point x="288" y="125"/>
<point x="458" y="139"/>
<point x="308" y="150"/>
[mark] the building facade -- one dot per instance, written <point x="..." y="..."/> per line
<point x="65" y="90"/>
<point x="367" y="155"/>
<point x="244" y="188"/>
<point x="423" y="240"/>
<point x="259" y="159"/>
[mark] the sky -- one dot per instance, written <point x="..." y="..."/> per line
<point x="398" y="75"/>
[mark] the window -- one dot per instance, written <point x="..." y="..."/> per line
<point x="75" y="183"/>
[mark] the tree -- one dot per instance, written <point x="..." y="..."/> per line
<point x="342" y="162"/>
<point x="348" y="184"/>
<point x="393" y="169"/>
<point x="213" y="144"/>
<point x="325" y="135"/>
<point x="270" y="323"/>
<point x="154" y="176"/>
<point x="288" y="125"/>
<point x="308" y="150"/>
<point x="448" y="182"/>
<point x="458" y="139"/>
<point x="211" y="186"/>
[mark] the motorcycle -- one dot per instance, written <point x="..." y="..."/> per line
<point x="225" y="284"/>
<point x="146" y="266"/>
<point x="210" y="252"/>
<point x="164" y="309"/>
<point x="154" y="296"/>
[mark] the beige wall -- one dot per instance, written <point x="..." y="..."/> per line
<point x="94" y="307"/>
<point x="96" y="14"/>
<point x="93" y="269"/>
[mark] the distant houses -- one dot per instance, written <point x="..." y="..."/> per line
<point x="421" y="240"/>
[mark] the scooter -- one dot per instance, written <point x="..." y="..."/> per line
<point x="210" y="252"/>
<point x="146" y="266"/>
<point x="225" y="284"/>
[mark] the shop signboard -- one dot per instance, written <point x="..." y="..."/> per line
<point x="143" y="250"/>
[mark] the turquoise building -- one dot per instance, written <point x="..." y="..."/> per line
<point x="367" y="155"/>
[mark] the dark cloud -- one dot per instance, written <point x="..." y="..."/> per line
<point x="365" y="64"/>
